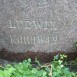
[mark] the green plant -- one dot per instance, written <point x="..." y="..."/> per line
<point x="76" y="43"/>
<point x="75" y="62"/>
<point x="59" y="70"/>
<point x="25" y="69"/>
<point x="6" y="71"/>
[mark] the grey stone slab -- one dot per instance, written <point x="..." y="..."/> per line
<point x="38" y="25"/>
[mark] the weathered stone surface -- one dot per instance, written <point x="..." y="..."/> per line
<point x="38" y="25"/>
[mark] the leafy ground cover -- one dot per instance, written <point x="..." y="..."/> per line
<point x="56" y="68"/>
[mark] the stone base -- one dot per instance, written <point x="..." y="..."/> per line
<point x="41" y="56"/>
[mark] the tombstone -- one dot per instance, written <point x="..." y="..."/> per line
<point x="38" y="25"/>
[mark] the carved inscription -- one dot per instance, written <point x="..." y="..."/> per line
<point x="37" y="38"/>
<point x="33" y="25"/>
<point x="33" y="39"/>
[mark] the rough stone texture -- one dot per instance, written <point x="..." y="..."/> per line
<point x="38" y="25"/>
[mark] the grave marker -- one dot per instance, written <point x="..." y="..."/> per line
<point x="38" y="25"/>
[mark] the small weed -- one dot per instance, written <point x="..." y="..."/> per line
<point x="59" y="70"/>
